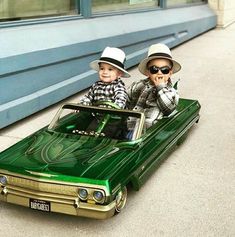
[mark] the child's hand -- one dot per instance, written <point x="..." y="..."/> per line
<point x="160" y="81"/>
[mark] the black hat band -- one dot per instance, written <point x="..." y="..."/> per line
<point x="161" y="55"/>
<point x="111" y="60"/>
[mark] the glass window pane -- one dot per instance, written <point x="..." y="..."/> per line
<point x="119" y="5"/>
<point x="182" y="2"/>
<point x="22" y="9"/>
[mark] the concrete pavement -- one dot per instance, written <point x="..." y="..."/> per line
<point x="192" y="193"/>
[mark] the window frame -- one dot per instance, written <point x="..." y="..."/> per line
<point x="85" y="7"/>
<point x="162" y="6"/>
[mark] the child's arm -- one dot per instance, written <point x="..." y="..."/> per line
<point x="120" y="95"/>
<point x="134" y="92"/>
<point x="167" y="99"/>
<point x="88" y="98"/>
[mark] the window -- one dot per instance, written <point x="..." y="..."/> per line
<point x="183" y="2"/>
<point x="12" y="10"/>
<point x="24" y="9"/>
<point x="99" y="6"/>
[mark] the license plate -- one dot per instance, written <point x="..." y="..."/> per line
<point x="40" y="205"/>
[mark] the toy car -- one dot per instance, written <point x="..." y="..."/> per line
<point x="82" y="163"/>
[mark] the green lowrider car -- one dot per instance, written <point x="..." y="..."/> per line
<point x="83" y="161"/>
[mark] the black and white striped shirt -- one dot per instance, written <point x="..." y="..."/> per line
<point x="100" y="91"/>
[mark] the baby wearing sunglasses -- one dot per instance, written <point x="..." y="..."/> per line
<point x="154" y="95"/>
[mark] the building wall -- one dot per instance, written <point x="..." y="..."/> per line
<point x="45" y="63"/>
<point x="225" y="10"/>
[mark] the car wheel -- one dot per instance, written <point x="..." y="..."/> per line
<point x="121" y="199"/>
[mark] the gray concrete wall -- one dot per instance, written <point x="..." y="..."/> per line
<point x="225" y="10"/>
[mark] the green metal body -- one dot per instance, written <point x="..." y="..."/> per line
<point x="78" y="160"/>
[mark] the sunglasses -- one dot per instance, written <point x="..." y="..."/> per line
<point x="154" y="69"/>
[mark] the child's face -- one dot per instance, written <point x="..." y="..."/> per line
<point x="108" y="73"/>
<point x="156" y="75"/>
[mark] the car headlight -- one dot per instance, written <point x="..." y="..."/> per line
<point x="83" y="194"/>
<point x="98" y="196"/>
<point x="3" y="180"/>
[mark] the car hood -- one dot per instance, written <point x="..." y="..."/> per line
<point x="54" y="153"/>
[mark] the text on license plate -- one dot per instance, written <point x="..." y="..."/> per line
<point x="39" y="205"/>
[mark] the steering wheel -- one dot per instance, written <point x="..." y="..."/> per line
<point x="107" y="104"/>
<point x="107" y="117"/>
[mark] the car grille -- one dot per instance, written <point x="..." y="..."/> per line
<point x="28" y="185"/>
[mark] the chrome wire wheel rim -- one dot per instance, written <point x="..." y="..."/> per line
<point x="121" y="199"/>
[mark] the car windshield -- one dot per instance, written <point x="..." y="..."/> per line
<point x="98" y="122"/>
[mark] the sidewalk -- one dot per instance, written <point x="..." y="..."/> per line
<point x="192" y="193"/>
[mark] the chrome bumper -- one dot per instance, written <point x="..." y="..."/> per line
<point x="61" y="198"/>
<point x="70" y="208"/>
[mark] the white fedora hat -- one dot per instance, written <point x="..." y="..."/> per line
<point x="158" y="51"/>
<point x="113" y="56"/>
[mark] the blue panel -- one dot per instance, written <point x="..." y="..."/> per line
<point x="19" y="108"/>
<point x="43" y="64"/>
